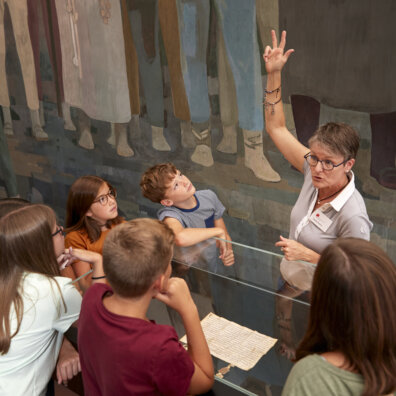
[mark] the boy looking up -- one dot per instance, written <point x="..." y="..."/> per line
<point x="194" y="216"/>
<point x="121" y="351"/>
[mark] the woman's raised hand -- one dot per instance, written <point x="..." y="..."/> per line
<point x="275" y="57"/>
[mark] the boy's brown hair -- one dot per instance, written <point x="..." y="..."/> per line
<point x="155" y="181"/>
<point x="135" y="253"/>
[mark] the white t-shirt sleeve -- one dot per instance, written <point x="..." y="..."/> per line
<point x="72" y="302"/>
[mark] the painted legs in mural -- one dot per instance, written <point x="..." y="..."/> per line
<point x="144" y="22"/>
<point x="238" y="57"/>
<point x="18" y="13"/>
<point x="118" y="136"/>
<point x="306" y="113"/>
<point x="240" y="97"/>
<point x="6" y="168"/>
<point x="52" y="37"/>
<point x="383" y="149"/>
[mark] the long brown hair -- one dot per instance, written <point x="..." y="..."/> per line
<point x="7" y="205"/>
<point x="81" y="196"/>
<point x="26" y="246"/>
<point x="353" y="311"/>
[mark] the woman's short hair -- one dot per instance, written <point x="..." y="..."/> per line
<point x="353" y="311"/>
<point x="339" y="138"/>
<point x="26" y="245"/>
<point x="81" y="196"/>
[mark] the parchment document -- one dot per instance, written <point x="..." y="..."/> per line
<point x="235" y="344"/>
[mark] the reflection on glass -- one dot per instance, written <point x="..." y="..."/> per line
<point x="261" y="291"/>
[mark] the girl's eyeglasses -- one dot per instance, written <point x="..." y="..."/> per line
<point x="103" y="199"/>
<point x="59" y="230"/>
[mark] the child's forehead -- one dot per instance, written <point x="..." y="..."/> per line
<point x="170" y="179"/>
<point x="171" y="176"/>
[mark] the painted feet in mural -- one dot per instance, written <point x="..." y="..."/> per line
<point x="41" y="113"/>
<point x="8" y="130"/>
<point x="68" y="122"/>
<point x="86" y="140"/>
<point x="255" y="158"/>
<point x="187" y="137"/>
<point x="228" y="143"/>
<point x="37" y="130"/>
<point x="158" y="139"/>
<point x="202" y="154"/>
<point x="111" y="139"/>
<point x="38" y="133"/>
<point x="121" y="139"/>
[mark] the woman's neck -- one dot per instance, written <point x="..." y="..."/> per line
<point x="333" y="191"/>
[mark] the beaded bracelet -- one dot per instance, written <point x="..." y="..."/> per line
<point x="276" y="90"/>
<point x="272" y="104"/>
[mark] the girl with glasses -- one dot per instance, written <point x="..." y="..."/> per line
<point x="91" y="213"/>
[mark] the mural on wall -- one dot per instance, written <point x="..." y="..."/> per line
<point x="119" y="85"/>
<point x="357" y="37"/>
<point x="94" y="67"/>
<point x="18" y="11"/>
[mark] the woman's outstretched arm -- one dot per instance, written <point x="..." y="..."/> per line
<point x="275" y="58"/>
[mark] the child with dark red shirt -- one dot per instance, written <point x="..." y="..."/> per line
<point x="121" y="351"/>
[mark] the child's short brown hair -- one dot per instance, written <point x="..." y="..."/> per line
<point x="155" y="181"/>
<point x="135" y="253"/>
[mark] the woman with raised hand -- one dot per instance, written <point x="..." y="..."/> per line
<point x="349" y="347"/>
<point x="328" y="207"/>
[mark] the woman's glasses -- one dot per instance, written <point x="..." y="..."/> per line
<point x="103" y="199"/>
<point x="327" y="165"/>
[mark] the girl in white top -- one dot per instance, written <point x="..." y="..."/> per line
<point x="36" y="305"/>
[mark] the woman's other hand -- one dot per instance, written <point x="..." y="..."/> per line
<point x="294" y="250"/>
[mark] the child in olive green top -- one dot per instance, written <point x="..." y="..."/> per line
<point x="349" y="347"/>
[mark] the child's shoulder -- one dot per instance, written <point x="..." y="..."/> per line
<point x="76" y="238"/>
<point x="205" y="192"/>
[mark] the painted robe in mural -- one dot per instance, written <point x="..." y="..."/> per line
<point x="51" y="30"/>
<point x="93" y="58"/>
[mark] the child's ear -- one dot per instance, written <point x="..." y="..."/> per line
<point x="158" y="284"/>
<point x="166" y="202"/>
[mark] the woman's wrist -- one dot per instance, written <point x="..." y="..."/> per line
<point x="311" y="256"/>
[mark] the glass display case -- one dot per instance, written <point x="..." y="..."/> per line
<point x="261" y="291"/>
